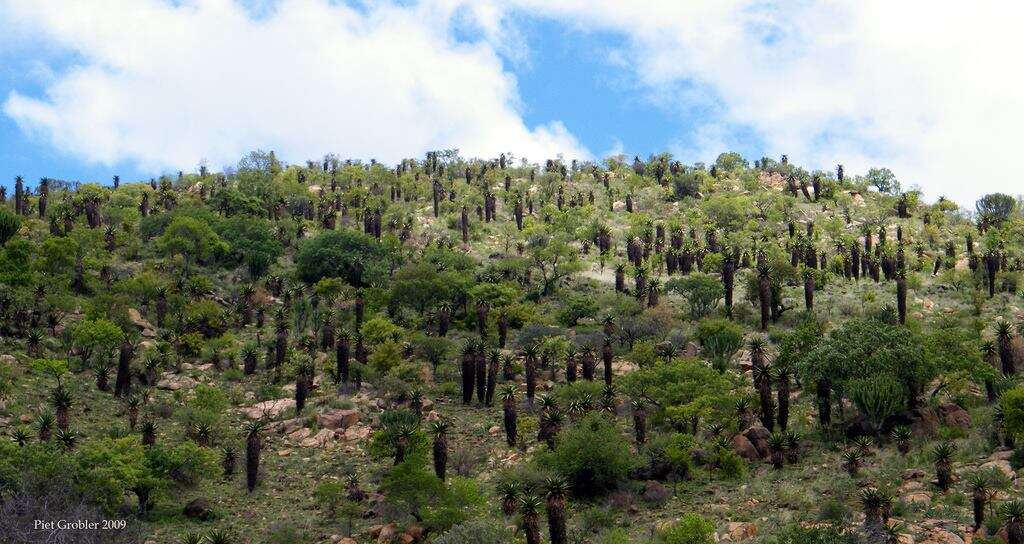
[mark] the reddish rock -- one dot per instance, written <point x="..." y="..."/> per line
<point x="742" y="446"/>
<point x="954" y="416"/>
<point x="338" y="419"/>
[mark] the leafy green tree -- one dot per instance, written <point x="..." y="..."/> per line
<point x="352" y="256"/>
<point x="191" y="238"/>
<point x="995" y="208"/>
<point x="702" y="292"/>
<point x="552" y="255"/>
<point x="683" y="391"/>
<point x="419" y="285"/>
<point x="884" y="180"/>
<point x="252" y="242"/>
<point x="95" y="335"/>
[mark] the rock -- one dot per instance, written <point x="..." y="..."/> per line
<point x="494" y="431"/>
<point x="136" y="318"/>
<point x="284" y="453"/>
<point x="941" y="536"/>
<point x="416" y="531"/>
<point x="198" y="509"/>
<point x="913" y="474"/>
<point x="8" y="360"/>
<point x="269" y="408"/>
<point x="738" y="531"/>
<point x="338" y="419"/>
<point x="148" y="333"/>
<point x="1001" y="456"/>
<point x="174" y="382"/>
<point x="953" y="415"/>
<point x="300" y="434"/>
<point x="758" y="436"/>
<point x="1002" y="466"/>
<point x="358" y="432"/>
<point x="692" y="349"/>
<point x="918" y="498"/>
<point x="318" y="440"/>
<point x="289" y="426"/>
<point x="742" y="446"/>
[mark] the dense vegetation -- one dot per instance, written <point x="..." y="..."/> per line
<point x="491" y="351"/>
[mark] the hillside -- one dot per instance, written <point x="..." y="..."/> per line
<point x="491" y="351"/>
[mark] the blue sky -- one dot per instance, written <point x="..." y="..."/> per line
<point x="148" y="87"/>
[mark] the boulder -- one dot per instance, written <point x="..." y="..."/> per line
<point x="338" y="419"/>
<point x="758" y="436"/>
<point x="198" y="509"/>
<point x="136" y="318"/>
<point x="1002" y="466"/>
<point x="742" y="446"/>
<point x="8" y="360"/>
<point x="358" y="432"/>
<point x="953" y="415"/>
<point x="269" y="408"/>
<point x="174" y="382"/>
<point x="300" y="434"/>
<point x="941" y="536"/>
<point x="739" y="531"/>
<point x="318" y="440"/>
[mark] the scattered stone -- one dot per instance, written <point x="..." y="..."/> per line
<point x="8" y="359"/>
<point x="941" y="536"/>
<point x="300" y="434"/>
<point x="494" y="431"/>
<point x="338" y="419"/>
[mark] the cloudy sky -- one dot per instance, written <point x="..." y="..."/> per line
<point x="144" y="87"/>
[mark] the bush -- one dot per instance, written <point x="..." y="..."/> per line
<point x="477" y="531"/>
<point x="1012" y="405"/>
<point x="798" y="534"/>
<point x="691" y="529"/>
<point x="352" y="256"/>
<point x="592" y="456"/>
<point x="720" y="338"/>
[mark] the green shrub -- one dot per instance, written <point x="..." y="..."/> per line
<point x="476" y="531"/>
<point x="798" y="534"/>
<point x="592" y="456"/>
<point x="691" y="529"/>
<point x="1012" y="405"/>
<point x="702" y="292"/>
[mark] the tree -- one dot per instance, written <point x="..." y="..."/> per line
<point x="884" y="180"/>
<point x="352" y="256"/>
<point x="701" y="291"/>
<point x="251" y="242"/>
<point x="552" y="255"/>
<point x="95" y="335"/>
<point x="995" y="208"/>
<point x="418" y="285"/>
<point x="191" y="238"/>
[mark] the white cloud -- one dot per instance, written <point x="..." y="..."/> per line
<point x="165" y="85"/>
<point x="930" y="89"/>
